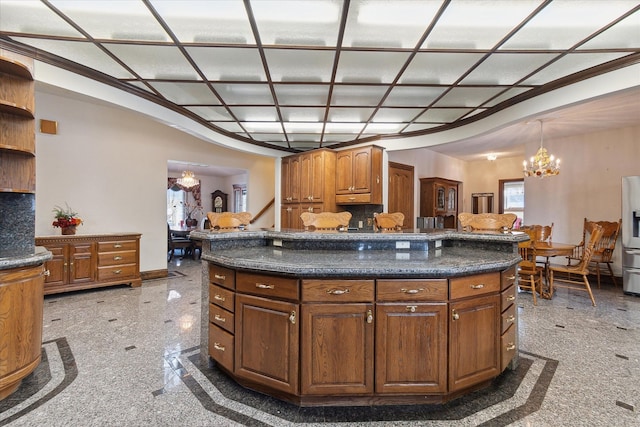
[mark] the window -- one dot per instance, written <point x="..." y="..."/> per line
<point x="239" y="197"/>
<point x="512" y="197"/>
<point x="175" y="207"/>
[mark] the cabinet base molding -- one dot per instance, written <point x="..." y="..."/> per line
<point x="154" y="274"/>
<point x="354" y="400"/>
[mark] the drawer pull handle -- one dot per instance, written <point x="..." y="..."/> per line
<point x="412" y="291"/>
<point x="369" y="316"/>
<point x="338" y="291"/>
<point x="117" y="272"/>
<point x="352" y="198"/>
<point x="511" y="298"/>
<point x="480" y="286"/>
<point x="264" y="286"/>
<point x="117" y="245"/>
<point x="218" y="297"/>
<point x="47" y="273"/>
<point x="117" y="258"/>
<point x="292" y="317"/>
<point x="510" y="319"/>
<point x="218" y="346"/>
<point x="454" y="315"/>
<point x="411" y="308"/>
<point x="511" y="277"/>
<point x="219" y="318"/>
<point x="510" y="347"/>
<point x="220" y="277"/>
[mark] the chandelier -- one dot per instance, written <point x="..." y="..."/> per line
<point x="188" y="179"/>
<point x="542" y="164"/>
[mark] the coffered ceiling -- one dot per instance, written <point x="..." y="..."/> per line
<point x="297" y="75"/>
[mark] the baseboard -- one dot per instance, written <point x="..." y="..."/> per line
<point x="154" y="274"/>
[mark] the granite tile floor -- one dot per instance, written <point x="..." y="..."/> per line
<point x="130" y="357"/>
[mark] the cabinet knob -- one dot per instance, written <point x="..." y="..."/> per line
<point x="369" y="316"/>
<point x="454" y="315"/>
<point x="338" y="291"/>
<point x="47" y="273"/>
<point x="511" y="278"/>
<point x="117" y="272"/>
<point x="510" y="319"/>
<point x="292" y="317"/>
<point x="117" y="245"/>
<point x="412" y="291"/>
<point x="117" y="258"/>
<point x="411" y="308"/>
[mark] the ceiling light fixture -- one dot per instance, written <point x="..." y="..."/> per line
<point x="491" y="157"/>
<point x="188" y="179"/>
<point x="542" y="164"/>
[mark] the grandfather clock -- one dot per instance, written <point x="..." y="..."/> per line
<point x="219" y="201"/>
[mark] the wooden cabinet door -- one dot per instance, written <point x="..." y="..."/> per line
<point x="290" y="217"/>
<point x="344" y="172"/>
<point x="306" y="174"/>
<point x="317" y="177"/>
<point x="291" y="179"/>
<point x="411" y="347"/>
<point x="474" y="341"/>
<point x="337" y="349"/>
<point x="362" y="170"/>
<point x="82" y="262"/>
<point x="266" y="342"/>
<point x="57" y="266"/>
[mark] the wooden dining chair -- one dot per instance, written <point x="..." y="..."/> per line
<point x="529" y="273"/>
<point x="329" y="221"/>
<point x="564" y="273"/>
<point x="388" y="221"/>
<point x="486" y="221"/>
<point x="539" y="233"/>
<point x="229" y="220"/>
<point x="603" y="250"/>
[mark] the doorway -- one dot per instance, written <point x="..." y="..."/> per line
<point x="401" y="191"/>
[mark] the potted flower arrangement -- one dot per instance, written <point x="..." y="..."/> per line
<point x="66" y="219"/>
<point x="190" y="209"/>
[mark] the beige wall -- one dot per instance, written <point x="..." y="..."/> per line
<point x="110" y="165"/>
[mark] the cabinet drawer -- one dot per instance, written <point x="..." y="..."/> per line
<point x="270" y="286"/>
<point x="123" y="272"/>
<point x="508" y="277"/>
<point x="347" y="199"/>
<point x="221" y="297"/>
<point x="221" y="317"/>
<point x="338" y="290"/>
<point x="121" y="245"/>
<point x="508" y="318"/>
<point x="412" y="290"/>
<point x="117" y="258"/>
<point x="508" y="297"/>
<point x="507" y="347"/>
<point x="479" y="284"/>
<point x="222" y="276"/>
<point x="221" y="345"/>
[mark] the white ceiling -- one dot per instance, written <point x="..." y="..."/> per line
<point x="296" y="75"/>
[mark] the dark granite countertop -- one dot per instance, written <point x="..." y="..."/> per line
<point x="454" y="254"/>
<point x="39" y="256"/>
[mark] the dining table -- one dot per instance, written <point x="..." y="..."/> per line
<point x="183" y="231"/>
<point x="546" y="250"/>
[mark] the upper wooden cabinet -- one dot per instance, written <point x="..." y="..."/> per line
<point x="17" y="130"/>
<point x="308" y="185"/>
<point x="439" y="198"/>
<point x="359" y="176"/>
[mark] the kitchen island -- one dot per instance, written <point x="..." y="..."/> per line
<point x="338" y="318"/>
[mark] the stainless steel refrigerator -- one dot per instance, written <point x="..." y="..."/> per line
<point x="631" y="235"/>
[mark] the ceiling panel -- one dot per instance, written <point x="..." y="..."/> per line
<point x="225" y="63"/>
<point x="154" y="62"/>
<point x="186" y="93"/>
